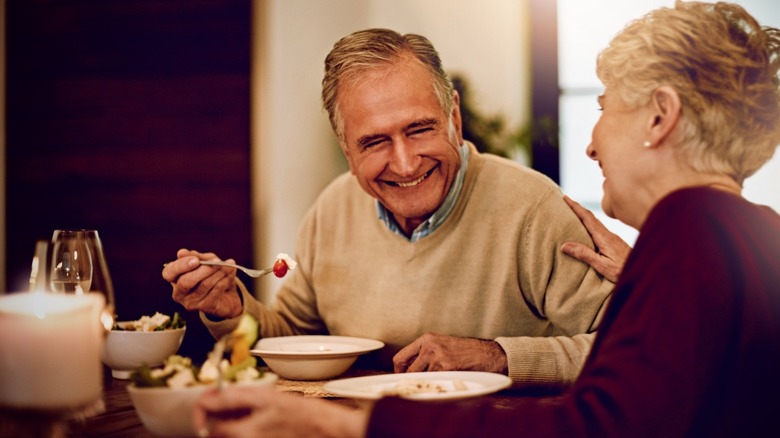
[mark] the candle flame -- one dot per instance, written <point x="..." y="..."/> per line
<point x="107" y="320"/>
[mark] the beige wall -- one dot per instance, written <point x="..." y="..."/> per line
<point x="294" y="151"/>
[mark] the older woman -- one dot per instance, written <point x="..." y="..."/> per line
<point x="690" y="344"/>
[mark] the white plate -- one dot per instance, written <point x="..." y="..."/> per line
<point x="374" y="387"/>
<point x="320" y="347"/>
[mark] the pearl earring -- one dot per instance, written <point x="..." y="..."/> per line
<point x="647" y="144"/>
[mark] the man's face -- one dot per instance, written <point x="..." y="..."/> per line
<point x="401" y="146"/>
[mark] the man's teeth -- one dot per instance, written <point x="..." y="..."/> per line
<point x="411" y="183"/>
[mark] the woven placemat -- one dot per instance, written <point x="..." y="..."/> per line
<point x="314" y="388"/>
<point x="304" y="387"/>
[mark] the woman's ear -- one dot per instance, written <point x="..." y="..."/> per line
<point x="666" y="113"/>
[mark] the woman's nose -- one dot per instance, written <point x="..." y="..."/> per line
<point x="590" y="151"/>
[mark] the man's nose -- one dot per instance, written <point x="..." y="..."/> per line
<point x="404" y="159"/>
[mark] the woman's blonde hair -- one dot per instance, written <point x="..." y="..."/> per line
<point x="372" y="48"/>
<point x="723" y="65"/>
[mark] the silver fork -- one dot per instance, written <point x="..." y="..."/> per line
<point x="250" y="272"/>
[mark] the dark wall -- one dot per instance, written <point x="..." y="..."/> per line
<point x="545" y="91"/>
<point x="132" y="118"/>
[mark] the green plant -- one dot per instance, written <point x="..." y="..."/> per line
<point x="490" y="133"/>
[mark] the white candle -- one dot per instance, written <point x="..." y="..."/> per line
<point x="50" y="350"/>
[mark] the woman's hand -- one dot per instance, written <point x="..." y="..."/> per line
<point x="611" y="251"/>
<point x="246" y="411"/>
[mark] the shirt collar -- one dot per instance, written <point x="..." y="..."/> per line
<point x="439" y="216"/>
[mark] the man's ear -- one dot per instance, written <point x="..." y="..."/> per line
<point x="666" y="113"/>
<point x="457" y="122"/>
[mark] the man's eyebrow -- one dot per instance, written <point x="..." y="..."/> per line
<point x="367" y="139"/>
<point x="423" y="122"/>
<point x="370" y="138"/>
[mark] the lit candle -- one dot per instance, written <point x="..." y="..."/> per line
<point x="50" y="350"/>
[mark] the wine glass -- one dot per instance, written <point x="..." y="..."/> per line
<point x="71" y="262"/>
<point x="101" y="278"/>
<point x="79" y="266"/>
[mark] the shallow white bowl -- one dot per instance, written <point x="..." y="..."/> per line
<point x="125" y="351"/>
<point x="168" y="411"/>
<point x="312" y="357"/>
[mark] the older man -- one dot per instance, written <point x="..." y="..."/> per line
<point x="450" y="257"/>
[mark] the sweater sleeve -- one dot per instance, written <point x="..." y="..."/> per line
<point x="565" y="292"/>
<point x="551" y="361"/>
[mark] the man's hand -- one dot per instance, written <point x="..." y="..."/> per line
<point x="209" y="289"/>
<point x="433" y="352"/>
<point x="611" y="251"/>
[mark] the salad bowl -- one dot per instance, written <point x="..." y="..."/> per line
<point x="126" y="349"/>
<point x="167" y="411"/>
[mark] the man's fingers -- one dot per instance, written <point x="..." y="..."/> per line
<point x="418" y="366"/>
<point x="401" y="363"/>
<point x="406" y="356"/>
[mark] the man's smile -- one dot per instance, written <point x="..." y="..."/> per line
<point x="405" y="184"/>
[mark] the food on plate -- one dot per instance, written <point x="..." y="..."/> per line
<point x="283" y="264"/>
<point x="178" y="371"/>
<point x="156" y="322"/>
<point x="418" y="386"/>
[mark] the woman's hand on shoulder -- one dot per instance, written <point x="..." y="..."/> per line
<point x="611" y="251"/>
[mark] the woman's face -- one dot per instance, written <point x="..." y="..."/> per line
<point x="617" y="146"/>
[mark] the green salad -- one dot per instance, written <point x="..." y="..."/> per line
<point x="178" y="371"/>
<point x="156" y="322"/>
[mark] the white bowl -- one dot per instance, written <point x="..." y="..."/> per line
<point x="125" y="351"/>
<point x="312" y="357"/>
<point x="167" y="411"/>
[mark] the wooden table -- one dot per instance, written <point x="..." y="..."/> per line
<point x="119" y="419"/>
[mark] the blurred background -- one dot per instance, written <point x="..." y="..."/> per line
<point x="198" y="123"/>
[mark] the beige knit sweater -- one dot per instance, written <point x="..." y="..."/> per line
<point x="493" y="270"/>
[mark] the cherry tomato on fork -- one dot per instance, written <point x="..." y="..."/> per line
<point x="280" y="268"/>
